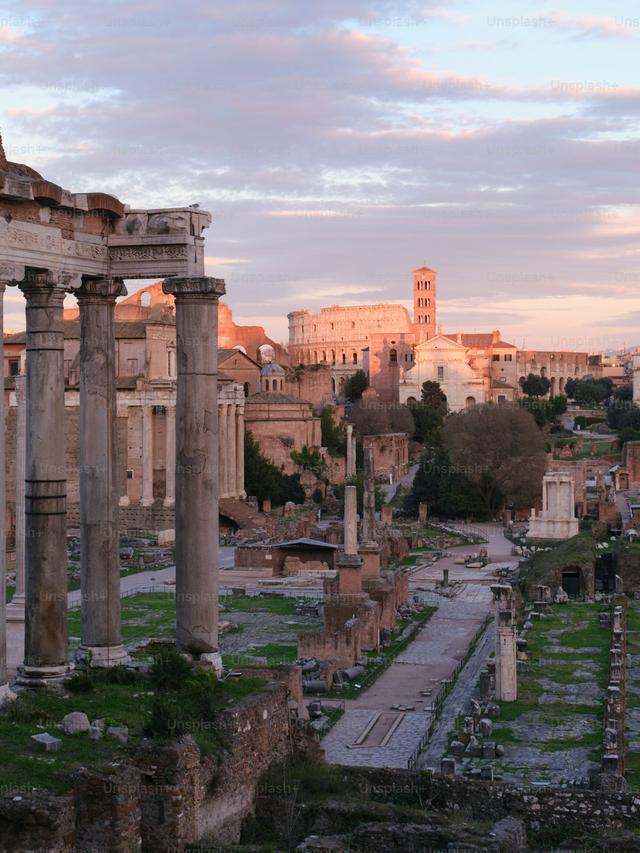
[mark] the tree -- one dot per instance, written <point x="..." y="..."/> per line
<point x="544" y="411"/>
<point x="355" y="385"/>
<point x="308" y="459"/>
<point x="264" y="480"/>
<point x="376" y="418"/>
<point x="428" y="424"/>
<point x="624" y="393"/>
<point x="589" y="391"/>
<point x="501" y="451"/>
<point x="445" y="489"/>
<point x="535" y="386"/>
<point x="333" y="436"/>
<point x="433" y="397"/>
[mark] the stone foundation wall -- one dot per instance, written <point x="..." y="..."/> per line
<point x="573" y="808"/>
<point x="165" y="796"/>
<point x="342" y="647"/>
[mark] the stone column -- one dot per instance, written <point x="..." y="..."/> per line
<point x="147" y="456"/>
<point x="124" y="499"/>
<point x="99" y="532"/>
<point x="197" y="564"/>
<point x="170" y="457"/>
<point x="369" y="499"/>
<point x="351" y="454"/>
<point x="15" y="610"/>
<point x="223" y="475"/>
<point x="240" y="452"/>
<point x="350" y="520"/>
<point x="232" y="487"/>
<point x="506" y="674"/>
<point x="45" y="655"/>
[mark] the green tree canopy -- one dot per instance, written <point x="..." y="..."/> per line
<point x="372" y="417"/>
<point x="333" y="435"/>
<point x="264" y="480"/>
<point x="355" y="385"/>
<point x="432" y="396"/>
<point x="535" y="386"/>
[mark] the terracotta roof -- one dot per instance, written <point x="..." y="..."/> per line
<point x="481" y="339"/>
<point x="224" y="353"/>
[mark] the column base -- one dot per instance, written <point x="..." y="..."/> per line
<point x="102" y="656"/>
<point x="124" y="500"/>
<point x="6" y="695"/>
<point x="16" y="609"/>
<point x="146" y="502"/>
<point x="168" y="503"/>
<point x="210" y="660"/>
<point x="43" y="676"/>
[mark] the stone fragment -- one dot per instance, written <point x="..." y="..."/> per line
<point x="493" y="710"/>
<point x="448" y="767"/>
<point x="474" y="748"/>
<point x="486" y="773"/>
<point x="485" y="727"/>
<point x="119" y="733"/>
<point x="45" y="743"/>
<point x="97" y="729"/>
<point x="458" y="748"/>
<point x="75" y="722"/>
<point x="488" y="750"/>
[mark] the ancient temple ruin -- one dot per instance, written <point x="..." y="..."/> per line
<point x="54" y="242"/>
<point x="557" y="520"/>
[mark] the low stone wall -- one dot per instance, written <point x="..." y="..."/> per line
<point x="579" y="809"/>
<point x="165" y="795"/>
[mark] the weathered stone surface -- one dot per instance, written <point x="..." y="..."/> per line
<point x="45" y="743"/>
<point x="119" y="733"/>
<point x="75" y="722"/>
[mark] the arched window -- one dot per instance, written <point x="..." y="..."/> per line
<point x="355" y="358"/>
<point x="393" y="356"/>
<point x="428" y="320"/>
<point x="324" y="356"/>
<point x="246" y="389"/>
<point x="344" y="358"/>
<point x="333" y="356"/>
<point x="470" y="402"/>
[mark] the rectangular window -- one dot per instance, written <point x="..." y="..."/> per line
<point x="495" y="357"/>
<point x="441" y="373"/>
<point x="132" y="366"/>
<point x="14" y="366"/>
<point x="508" y="357"/>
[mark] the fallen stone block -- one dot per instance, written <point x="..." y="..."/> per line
<point x="75" y="722"/>
<point x="119" y="733"/>
<point x="45" y="743"/>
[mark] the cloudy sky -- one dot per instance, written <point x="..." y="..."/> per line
<point x="341" y="143"/>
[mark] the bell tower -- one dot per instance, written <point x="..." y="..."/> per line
<point x="424" y="303"/>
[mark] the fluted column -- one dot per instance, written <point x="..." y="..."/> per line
<point x="100" y="637"/>
<point x="240" y="452"/>
<point x="147" y="456"/>
<point x="232" y="488"/>
<point x="45" y="655"/>
<point x="197" y="564"/>
<point x="15" y="610"/>
<point x="170" y="457"/>
<point x="351" y="456"/>
<point x="223" y="475"/>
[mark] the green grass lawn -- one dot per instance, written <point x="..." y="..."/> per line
<point x="252" y="604"/>
<point x="580" y="630"/>
<point x="127" y="705"/>
<point x="276" y="654"/>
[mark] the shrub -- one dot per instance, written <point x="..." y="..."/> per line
<point x="80" y="682"/>
<point x="170" y="670"/>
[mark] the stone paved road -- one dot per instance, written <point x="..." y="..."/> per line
<point x="431" y="658"/>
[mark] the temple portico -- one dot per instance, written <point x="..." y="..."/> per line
<point x="53" y="242"/>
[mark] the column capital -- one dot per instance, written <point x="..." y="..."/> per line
<point x="37" y="282"/>
<point x="99" y="289"/>
<point x="194" y="286"/>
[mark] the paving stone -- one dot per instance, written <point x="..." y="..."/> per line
<point x="45" y="743"/>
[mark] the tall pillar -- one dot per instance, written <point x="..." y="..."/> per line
<point x="223" y="458"/>
<point x="100" y="640"/>
<point x="170" y="458"/>
<point x="15" y="610"/>
<point x="147" y="456"/>
<point x="369" y="499"/>
<point x="350" y="520"/>
<point x="232" y="487"/>
<point x="197" y="565"/>
<point x="45" y="654"/>
<point x="240" y="451"/>
<point x="351" y="455"/>
<point x="124" y="499"/>
<point x="506" y="644"/>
